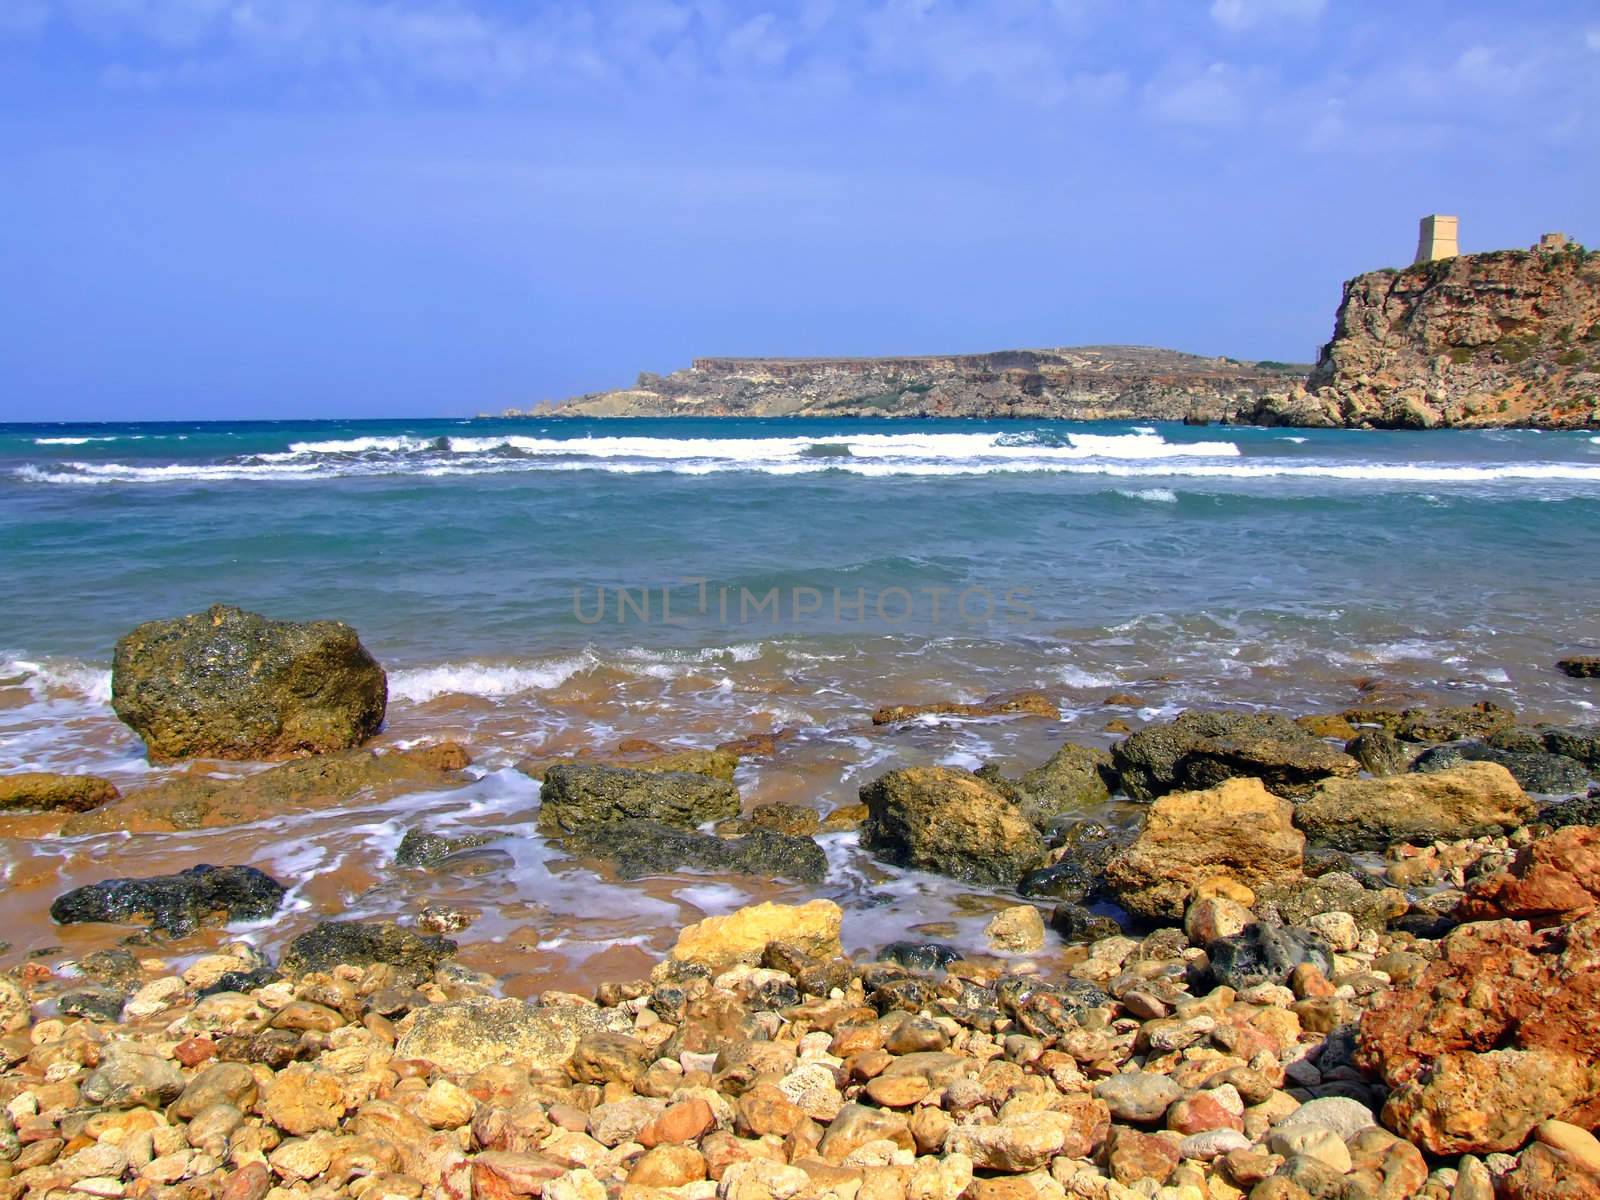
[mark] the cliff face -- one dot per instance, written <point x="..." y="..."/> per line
<point x="1086" y="383"/>
<point x="1508" y="338"/>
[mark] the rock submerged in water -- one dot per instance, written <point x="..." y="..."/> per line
<point x="1199" y="750"/>
<point x="227" y="683"/>
<point x="177" y="904"/>
<point x="636" y="849"/>
<point x="716" y="764"/>
<point x="1003" y="704"/>
<point x="949" y="822"/>
<point x="578" y="799"/>
<point x="202" y="802"/>
<point x="1237" y="829"/>
<point x="1371" y="814"/>
<point x="44" y="791"/>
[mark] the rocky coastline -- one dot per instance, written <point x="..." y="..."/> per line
<point x="1346" y="955"/>
<point x="1503" y="339"/>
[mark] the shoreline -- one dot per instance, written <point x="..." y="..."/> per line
<point x="751" y="1052"/>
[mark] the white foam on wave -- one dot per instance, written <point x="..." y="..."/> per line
<point x="493" y="681"/>
<point x="1155" y="495"/>
<point x="400" y="444"/>
<point x="1137" y="455"/>
<point x="47" y="679"/>
<point x="1298" y="441"/>
<point x="421" y="684"/>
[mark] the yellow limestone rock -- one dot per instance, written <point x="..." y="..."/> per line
<point x="742" y="936"/>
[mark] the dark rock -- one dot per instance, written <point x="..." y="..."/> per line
<point x="1067" y="880"/>
<point x="1265" y="954"/>
<point x="1584" y="810"/>
<point x="639" y="848"/>
<point x="1582" y="744"/>
<point x="101" y="1004"/>
<point x="42" y="791"/>
<point x="227" y="683"/>
<point x="1199" y="750"/>
<point x="362" y="943"/>
<point x="950" y="822"/>
<point x="1378" y="751"/>
<point x="174" y="904"/>
<point x="1535" y="771"/>
<point x="1580" y="666"/>
<point x="1074" y="778"/>
<point x="919" y="956"/>
<point x="1078" y="924"/>
<point x="428" y="850"/>
<point x="578" y="799"/>
<point x="240" y="981"/>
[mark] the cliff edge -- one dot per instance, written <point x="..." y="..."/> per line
<point x="1506" y="338"/>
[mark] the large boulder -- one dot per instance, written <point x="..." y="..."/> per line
<point x="1500" y="1032"/>
<point x="1237" y="829"/>
<point x="43" y="791"/>
<point x="227" y="683"/>
<point x="577" y="799"/>
<point x="949" y="822"/>
<point x="1202" y="749"/>
<point x="175" y="904"/>
<point x="468" y="1035"/>
<point x="743" y="936"/>
<point x="203" y="802"/>
<point x="1370" y="814"/>
<point x="636" y="849"/>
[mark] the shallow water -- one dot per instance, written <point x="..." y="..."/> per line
<point x="845" y="565"/>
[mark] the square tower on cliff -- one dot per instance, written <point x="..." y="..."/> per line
<point x="1437" y="238"/>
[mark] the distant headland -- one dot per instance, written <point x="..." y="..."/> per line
<point x="1505" y="338"/>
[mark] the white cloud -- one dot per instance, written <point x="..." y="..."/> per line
<point x="1211" y="96"/>
<point x="1247" y="14"/>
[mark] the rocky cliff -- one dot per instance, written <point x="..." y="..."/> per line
<point x="1084" y="383"/>
<point x="1508" y="338"/>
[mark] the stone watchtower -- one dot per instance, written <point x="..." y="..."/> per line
<point x="1437" y="238"/>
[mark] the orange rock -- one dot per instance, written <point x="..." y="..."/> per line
<point x="686" y="1121"/>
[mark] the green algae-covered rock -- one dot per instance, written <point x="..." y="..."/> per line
<point x="43" y="791"/>
<point x="950" y="822"/>
<point x="227" y="683"/>
<point x="575" y="799"/>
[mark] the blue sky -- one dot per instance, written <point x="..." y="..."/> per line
<point x="401" y="207"/>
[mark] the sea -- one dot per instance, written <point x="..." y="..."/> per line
<point x="538" y="588"/>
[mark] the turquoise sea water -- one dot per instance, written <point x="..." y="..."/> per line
<point x="485" y="564"/>
<point x="445" y="540"/>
